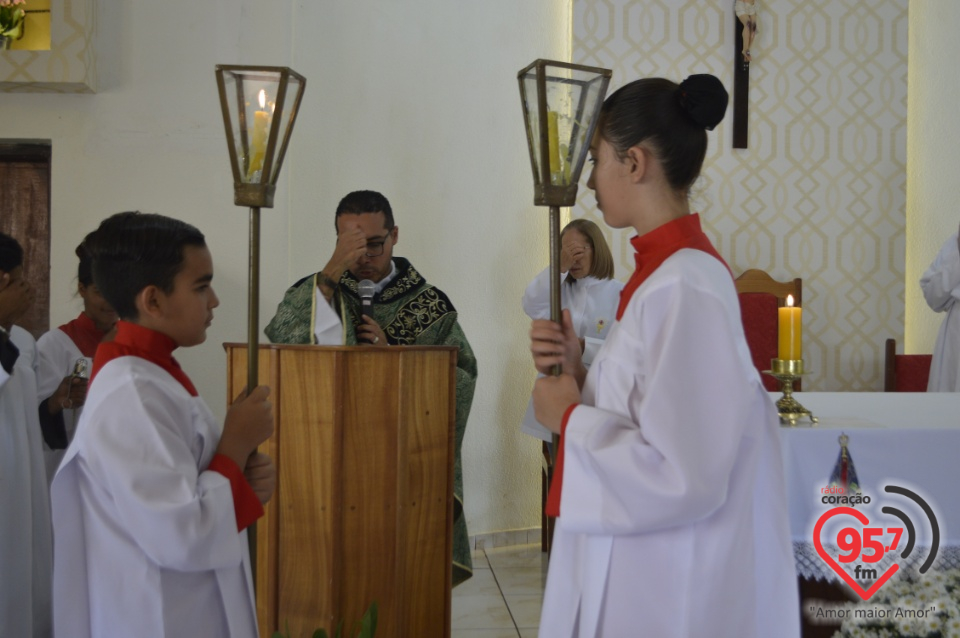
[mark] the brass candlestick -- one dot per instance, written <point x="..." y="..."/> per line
<point x="786" y="371"/>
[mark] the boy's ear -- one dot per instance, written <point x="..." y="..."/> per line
<point x="148" y="302"/>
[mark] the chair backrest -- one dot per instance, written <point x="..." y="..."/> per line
<point x="905" y="372"/>
<point x="760" y="296"/>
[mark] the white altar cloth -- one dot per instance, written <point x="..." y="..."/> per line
<point x="911" y="440"/>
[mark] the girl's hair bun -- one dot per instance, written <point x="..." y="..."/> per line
<point x="704" y="99"/>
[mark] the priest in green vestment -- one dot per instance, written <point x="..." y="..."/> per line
<point x="326" y="308"/>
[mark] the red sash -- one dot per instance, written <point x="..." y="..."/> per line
<point x="84" y="334"/>
<point x="136" y="341"/>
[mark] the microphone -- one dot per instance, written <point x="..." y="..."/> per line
<point x="366" y="288"/>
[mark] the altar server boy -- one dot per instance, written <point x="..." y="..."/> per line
<point x="153" y="497"/>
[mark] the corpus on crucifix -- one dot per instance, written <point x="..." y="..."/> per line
<point x="746" y="13"/>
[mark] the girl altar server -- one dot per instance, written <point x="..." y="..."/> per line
<point x="152" y="500"/>
<point x="669" y="485"/>
<point x="588" y="289"/>
<point x="66" y="356"/>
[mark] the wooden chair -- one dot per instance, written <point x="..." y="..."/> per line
<point x="760" y="296"/>
<point x="905" y="372"/>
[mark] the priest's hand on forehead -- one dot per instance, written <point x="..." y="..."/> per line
<point x="351" y="245"/>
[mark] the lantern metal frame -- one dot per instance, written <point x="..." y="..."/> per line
<point x="256" y="194"/>
<point x="545" y="192"/>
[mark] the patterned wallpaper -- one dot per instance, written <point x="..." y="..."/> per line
<point x="70" y="64"/>
<point x="821" y="191"/>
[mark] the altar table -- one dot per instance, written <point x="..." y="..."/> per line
<point x="911" y="440"/>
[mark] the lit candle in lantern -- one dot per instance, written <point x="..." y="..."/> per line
<point x="553" y="137"/>
<point x="258" y="138"/>
<point x="789" y="333"/>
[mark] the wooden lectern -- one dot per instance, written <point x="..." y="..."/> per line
<point x="364" y="505"/>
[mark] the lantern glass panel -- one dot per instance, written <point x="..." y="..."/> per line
<point x="286" y="120"/>
<point x="573" y="98"/>
<point x="251" y="99"/>
<point x="584" y="98"/>
<point x="530" y="107"/>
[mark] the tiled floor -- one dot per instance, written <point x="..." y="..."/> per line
<point x="503" y="598"/>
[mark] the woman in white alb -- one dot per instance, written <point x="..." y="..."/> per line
<point x="588" y="290"/>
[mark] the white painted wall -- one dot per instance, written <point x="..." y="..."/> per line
<point x="417" y="99"/>
<point x="420" y="101"/>
<point x="933" y="155"/>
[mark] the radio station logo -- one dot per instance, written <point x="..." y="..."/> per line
<point x="857" y="549"/>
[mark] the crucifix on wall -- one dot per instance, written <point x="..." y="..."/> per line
<point x="746" y="32"/>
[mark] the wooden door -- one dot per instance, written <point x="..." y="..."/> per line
<point x="25" y="216"/>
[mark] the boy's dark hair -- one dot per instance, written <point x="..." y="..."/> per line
<point x="134" y="250"/>
<point x="365" y="202"/>
<point x="11" y="253"/>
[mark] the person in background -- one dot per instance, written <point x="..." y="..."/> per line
<point x="588" y="290"/>
<point x="669" y="489"/>
<point x="66" y="357"/>
<point x="941" y="288"/>
<point x="26" y="539"/>
<point x="153" y="498"/>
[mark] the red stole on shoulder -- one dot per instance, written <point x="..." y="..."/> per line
<point x="652" y="249"/>
<point x="84" y="334"/>
<point x="660" y="243"/>
<point x="136" y="341"/>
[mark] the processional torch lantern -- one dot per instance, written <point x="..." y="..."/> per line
<point x="259" y="105"/>
<point x="561" y="105"/>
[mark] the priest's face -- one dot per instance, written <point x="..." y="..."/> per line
<point x="375" y="263"/>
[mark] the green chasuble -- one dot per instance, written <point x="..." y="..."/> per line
<point x="411" y="312"/>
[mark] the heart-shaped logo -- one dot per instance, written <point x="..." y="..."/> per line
<point x="860" y="516"/>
